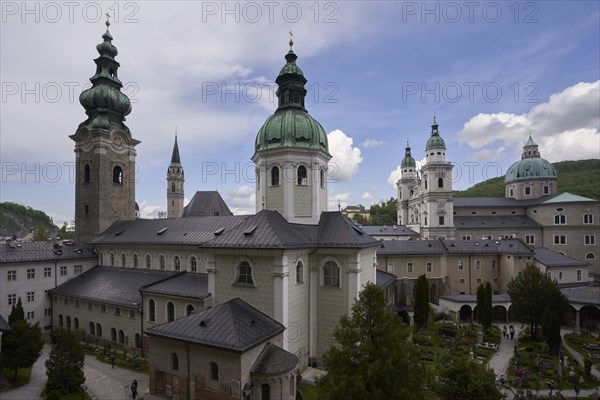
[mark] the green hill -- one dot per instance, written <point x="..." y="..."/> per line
<point x="578" y="177"/>
<point x="19" y="220"/>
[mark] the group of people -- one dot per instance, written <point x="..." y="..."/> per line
<point x="510" y="331"/>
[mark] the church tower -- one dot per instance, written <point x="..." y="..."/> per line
<point x="437" y="212"/>
<point x="407" y="187"/>
<point x="291" y="153"/>
<point x="175" y="184"/>
<point x="104" y="150"/>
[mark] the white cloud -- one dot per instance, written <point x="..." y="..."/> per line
<point x="396" y="174"/>
<point x="150" y="211"/>
<point x="346" y="159"/>
<point x="565" y="127"/>
<point x="372" y="143"/>
<point x="367" y="196"/>
<point x="241" y="200"/>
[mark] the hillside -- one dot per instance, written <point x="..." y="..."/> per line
<point x="578" y="177"/>
<point x="19" y="220"/>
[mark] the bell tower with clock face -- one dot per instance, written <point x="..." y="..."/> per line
<point x="104" y="151"/>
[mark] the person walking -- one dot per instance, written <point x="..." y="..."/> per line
<point x="134" y="389"/>
<point x="504" y="331"/>
<point x="511" y="329"/>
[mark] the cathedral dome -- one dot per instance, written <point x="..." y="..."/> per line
<point x="530" y="168"/>
<point x="291" y="128"/>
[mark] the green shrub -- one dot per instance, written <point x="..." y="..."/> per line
<point x="587" y="367"/>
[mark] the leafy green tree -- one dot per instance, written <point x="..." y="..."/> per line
<point x="21" y="347"/>
<point x="531" y="291"/>
<point x="422" y="307"/>
<point x="385" y="213"/>
<point x="465" y="380"/>
<point x="372" y="360"/>
<point x="41" y="233"/>
<point x="17" y="313"/>
<point x="63" y="233"/>
<point x="64" y="366"/>
<point x="484" y="305"/>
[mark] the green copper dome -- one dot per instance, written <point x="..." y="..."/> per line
<point x="530" y="169"/>
<point x="435" y="141"/>
<point x="408" y="161"/>
<point x="291" y="125"/>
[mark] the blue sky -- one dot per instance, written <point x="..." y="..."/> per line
<point x="377" y="73"/>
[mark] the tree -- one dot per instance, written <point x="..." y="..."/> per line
<point x="41" y="233"/>
<point x="465" y="380"/>
<point x="64" y="233"/>
<point x="421" y="302"/>
<point x="551" y="330"/>
<point x="385" y="213"/>
<point x="64" y="366"/>
<point x="531" y="291"/>
<point x="17" y="313"/>
<point x="372" y="359"/>
<point x="484" y="305"/>
<point x="21" y="347"/>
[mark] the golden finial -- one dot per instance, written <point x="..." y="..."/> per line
<point x="107" y="20"/>
<point x="291" y="40"/>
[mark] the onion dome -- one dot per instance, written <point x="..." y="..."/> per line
<point x="291" y="125"/>
<point x="531" y="166"/>
<point x="435" y="141"/>
<point x="408" y="160"/>
<point x="104" y="102"/>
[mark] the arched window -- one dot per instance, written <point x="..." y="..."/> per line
<point x="245" y="273"/>
<point x="123" y="260"/>
<point x="172" y="187"/>
<point x="60" y="321"/>
<point x="118" y="175"/>
<point x="177" y="263"/>
<point x="121" y="336"/>
<point x="275" y="176"/>
<point x="299" y="272"/>
<point x="265" y="391"/>
<point x="92" y="329"/>
<point x="440" y="182"/>
<point x="68" y="322"/>
<point x="162" y="262"/>
<point x="590" y="256"/>
<point x="113" y="334"/>
<point x="136" y="261"/>
<point x="112" y="259"/>
<point x="98" y="330"/>
<point x="193" y="264"/>
<point x="151" y="310"/>
<point x="174" y="361"/>
<point x="189" y="309"/>
<point x="214" y="371"/>
<point x="331" y="274"/>
<point x="302" y="176"/>
<point x="148" y="261"/>
<point x="170" y="311"/>
<point x="75" y="323"/>
<point x="322" y="177"/>
<point x="87" y="173"/>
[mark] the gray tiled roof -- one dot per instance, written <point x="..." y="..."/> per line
<point x="191" y="285"/>
<point x="384" y="279"/>
<point x="553" y="259"/>
<point x="4" y="326"/>
<point x="472" y="298"/>
<point x="110" y="285"/>
<point x="336" y="230"/>
<point x="234" y="325"/>
<point x="510" y="202"/>
<point x="205" y="204"/>
<point x="394" y="247"/>
<point x="384" y="230"/>
<point x="583" y="294"/>
<point x="44" y="251"/>
<point x="504" y="246"/>
<point x="273" y="360"/>
<point x="494" y="222"/>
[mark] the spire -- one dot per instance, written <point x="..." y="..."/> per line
<point x="291" y="81"/>
<point x="435" y="141"/>
<point x="530" y="149"/>
<point x="434" y="127"/>
<point x="175" y="157"/>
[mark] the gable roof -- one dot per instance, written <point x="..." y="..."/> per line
<point x="336" y="230"/>
<point x="206" y="204"/>
<point x="189" y="285"/>
<point x="44" y="251"/>
<point x="273" y="360"/>
<point x="553" y="259"/>
<point x="494" y="221"/>
<point x="109" y="285"/>
<point x="234" y="325"/>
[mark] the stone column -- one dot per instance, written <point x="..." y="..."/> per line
<point x="354" y="270"/>
<point x="280" y="294"/>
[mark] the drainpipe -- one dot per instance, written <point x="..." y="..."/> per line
<point x="189" y="383"/>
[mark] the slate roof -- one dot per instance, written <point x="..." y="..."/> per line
<point x="384" y="230"/>
<point x="472" y="298"/>
<point x="384" y="279"/>
<point x="234" y="325"/>
<point x="495" y="222"/>
<point x="190" y="285"/>
<point x="110" y="285"/>
<point x="264" y="230"/>
<point x="505" y="246"/>
<point x="510" y="202"/>
<point x="553" y="259"/>
<point x="206" y="204"/>
<point x="4" y="326"/>
<point x="395" y="247"/>
<point x="44" y="251"/>
<point x="583" y="294"/>
<point x="273" y="360"/>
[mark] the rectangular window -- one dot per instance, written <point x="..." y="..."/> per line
<point x="527" y="190"/>
<point x="409" y="267"/>
<point x="90" y="305"/>
<point x="47" y="312"/>
<point x="590" y="239"/>
<point x="11" y="275"/>
<point x="12" y="299"/>
<point x="560" y="274"/>
<point x="530" y="239"/>
<point x="546" y="189"/>
<point x="461" y="265"/>
<point x="578" y="275"/>
<point x="31" y="273"/>
<point x="441" y="220"/>
<point x="132" y="314"/>
<point x="467" y="237"/>
<point x="560" y="239"/>
<point x="493" y="264"/>
<point x="478" y="280"/>
<point x="462" y="281"/>
<point x="486" y="237"/>
<point x="495" y="280"/>
<point x="30" y="315"/>
<point x="103" y="308"/>
<point x="63" y="270"/>
<point x="77" y="303"/>
<point x="77" y="269"/>
<point x="429" y="267"/>
<point x="588" y="219"/>
<point x="47" y="272"/>
<point x="477" y="264"/>
<point x="560" y="219"/>
<point x="117" y="311"/>
<point x="30" y="297"/>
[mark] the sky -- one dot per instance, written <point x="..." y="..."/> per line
<point x="377" y="71"/>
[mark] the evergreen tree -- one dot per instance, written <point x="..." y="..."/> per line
<point x="421" y="313"/>
<point x="531" y="291"/>
<point x="484" y="305"/>
<point x="463" y="379"/>
<point x="64" y="366"/>
<point x="21" y="347"/>
<point x="17" y="313"/>
<point x="372" y="359"/>
<point x="551" y="330"/>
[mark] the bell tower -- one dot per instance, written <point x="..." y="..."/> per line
<point x="104" y="150"/>
<point x="407" y="186"/>
<point x="175" y="182"/>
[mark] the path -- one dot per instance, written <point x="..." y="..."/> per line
<point x="36" y="384"/>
